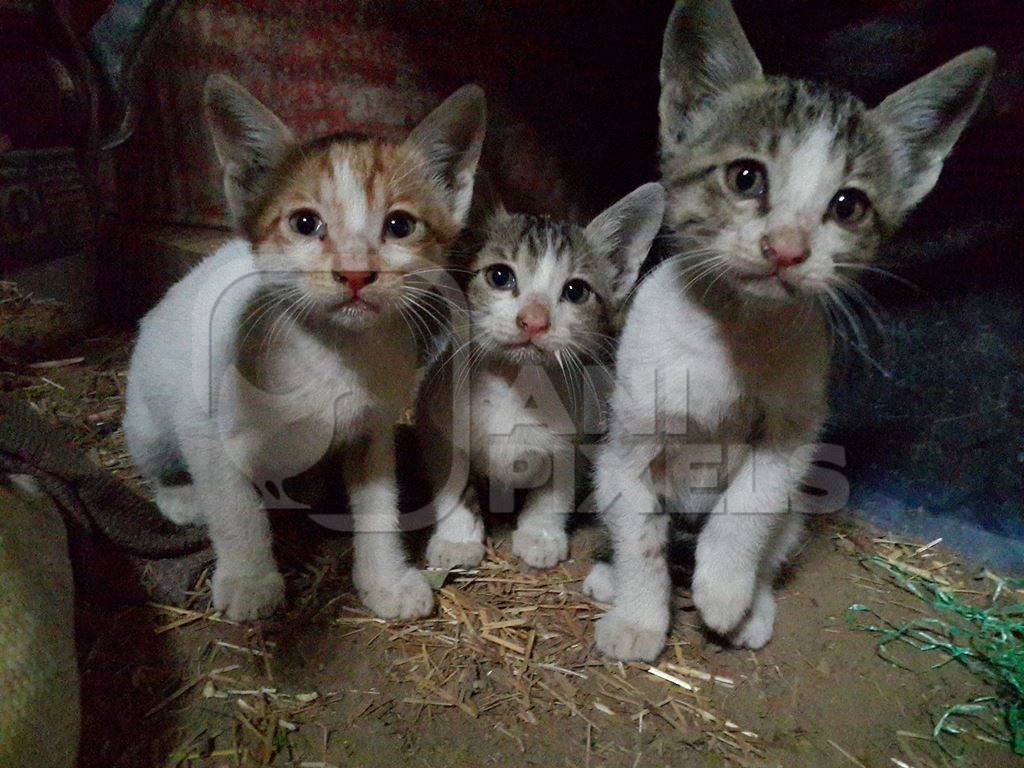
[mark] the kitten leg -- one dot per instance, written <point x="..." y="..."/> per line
<point x="734" y="542"/>
<point x="636" y="626"/>
<point x="756" y="630"/>
<point x="246" y="581"/>
<point x="458" y="540"/>
<point x="600" y="583"/>
<point x="540" y="539"/>
<point x="177" y="503"/>
<point x="387" y="584"/>
<point x="160" y="462"/>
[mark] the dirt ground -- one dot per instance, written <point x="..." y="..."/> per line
<point x="506" y="673"/>
<point x="316" y="689"/>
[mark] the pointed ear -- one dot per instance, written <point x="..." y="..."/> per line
<point x="928" y="116"/>
<point x="704" y="52"/>
<point x="487" y="202"/>
<point x="451" y="138"/>
<point x="625" y="231"/>
<point x="248" y="137"/>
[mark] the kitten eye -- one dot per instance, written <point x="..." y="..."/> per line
<point x="577" y="291"/>
<point x="307" y="223"/>
<point x="501" y="276"/>
<point x="747" y="178"/>
<point x="399" y="225"/>
<point x="849" y="207"/>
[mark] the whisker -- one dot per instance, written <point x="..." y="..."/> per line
<point x="585" y="376"/>
<point x="413" y="323"/>
<point x="860" y="344"/>
<point x="879" y="271"/>
<point x="264" y="304"/>
<point x="570" y="389"/>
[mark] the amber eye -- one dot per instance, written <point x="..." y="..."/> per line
<point x="307" y="223"/>
<point x="747" y="178"/>
<point x="501" y="276"/>
<point x="849" y="207"/>
<point x="399" y="225"/>
<point x="576" y="291"/>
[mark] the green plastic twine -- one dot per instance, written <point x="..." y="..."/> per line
<point x="988" y="641"/>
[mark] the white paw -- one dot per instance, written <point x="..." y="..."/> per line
<point x="442" y="553"/>
<point x="620" y="636"/>
<point x="247" y="597"/>
<point x="756" y="631"/>
<point x="600" y="583"/>
<point x="723" y="599"/>
<point x="177" y="504"/>
<point x="407" y="597"/>
<point x="540" y="548"/>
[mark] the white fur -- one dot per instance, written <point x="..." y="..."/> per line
<point x="740" y="368"/>
<point x="514" y="420"/>
<point x="263" y="360"/>
<point x="312" y="396"/>
<point x="349" y="192"/>
<point x="521" y="435"/>
<point x="695" y="371"/>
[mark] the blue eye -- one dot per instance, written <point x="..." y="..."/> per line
<point x="577" y="291"/>
<point x="501" y="276"/>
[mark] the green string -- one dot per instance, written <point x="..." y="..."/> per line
<point x="988" y="641"/>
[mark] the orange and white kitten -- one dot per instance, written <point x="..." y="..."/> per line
<point x="291" y="341"/>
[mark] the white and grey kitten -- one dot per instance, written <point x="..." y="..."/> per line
<point x="541" y="301"/>
<point x="780" y="191"/>
<point x="289" y="343"/>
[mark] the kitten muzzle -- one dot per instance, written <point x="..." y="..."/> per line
<point x="355" y="281"/>
<point x="533" y="320"/>
<point x="785" y="247"/>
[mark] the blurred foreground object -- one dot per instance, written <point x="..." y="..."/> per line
<point x="39" y="712"/>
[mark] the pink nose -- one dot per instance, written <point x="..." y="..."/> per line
<point x="533" y="319"/>
<point x="356" y="281"/>
<point x="785" y="247"/>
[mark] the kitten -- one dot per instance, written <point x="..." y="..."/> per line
<point x="290" y="341"/>
<point x="541" y="298"/>
<point x="781" y="192"/>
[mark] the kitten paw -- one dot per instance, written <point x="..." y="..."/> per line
<point x="599" y="584"/>
<point x="177" y="504"/>
<point x="722" y="599"/>
<point x="540" y="548"/>
<point x="621" y="637"/>
<point x="442" y="553"/>
<point x="756" y="631"/>
<point x="247" y="597"/>
<point x="408" y="597"/>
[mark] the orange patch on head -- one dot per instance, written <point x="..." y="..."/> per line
<point x="341" y="178"/>
<point x="331" y="210"/>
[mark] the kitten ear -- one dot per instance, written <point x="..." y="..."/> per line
<point x="451" y="138"/>
<point x="625" y="231"/>
<point x="704" y="52"/>
<point x="248" y="137"/>
<point x="929" y="115"/>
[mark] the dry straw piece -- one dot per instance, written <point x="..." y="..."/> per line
<point x="516" y="646"/>
<point x="510" y="647"/>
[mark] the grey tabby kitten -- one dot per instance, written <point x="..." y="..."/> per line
<point x="541" y="298"/>
<point x="779" y="193"/>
